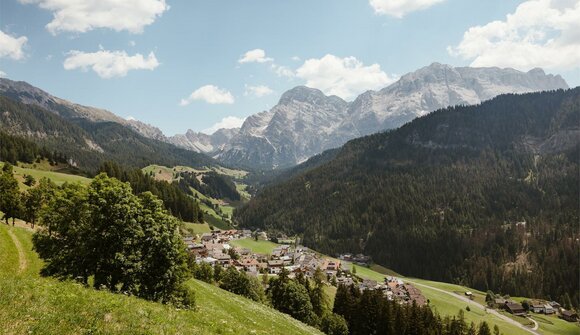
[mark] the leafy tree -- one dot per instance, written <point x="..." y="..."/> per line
<point x="29" y="180"/>
<point x="36" y="198"/>
<point x="204" y="272"/>
<point x="484" y="329"/>
<point x="333" y="324"/>
<point x="290" y="297"/>
<point x="9" y="194"/>
<point x="127" y="243"/>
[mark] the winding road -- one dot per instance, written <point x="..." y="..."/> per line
<point x="480" y="306"/>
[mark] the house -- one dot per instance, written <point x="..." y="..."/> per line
<point x="536" y="307"/>
<point x="333" y="265"/>
<point x="249" y="264"/>
<point x="223" y="259"/>
<point x="346" y="281"/>
<point x="569" y="316"/>
<point x="555" y="305"/>
<point x="548" y="309"/>
<point x="275" y="266"/>
<point x="500" y="302"/>
<point x="515" y="308"/>
<point x="206" y="237"/>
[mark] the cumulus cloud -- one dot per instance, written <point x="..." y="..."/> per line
<point x="345" y="77"/>
<point x="400" y="8"/>
<point x="255" y="56"/>
<point x="540" y="33"/>
<point x="227" y="122"/>
<point x="210" y="94"/>
<point x="283" y="71"/>
<point x="258" y="91"/>
<point x="3" y="74"/>
<point x="12" y="47"/>
<point x="109" y="64"/>
<point x="82" y="16"/>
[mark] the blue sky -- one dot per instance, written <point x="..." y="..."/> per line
<point x="183" y="65"/>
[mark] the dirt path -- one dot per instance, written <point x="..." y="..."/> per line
<point x="535" y="324"/>
<point x="480" y="306"/>
<point x="22" y="262"/>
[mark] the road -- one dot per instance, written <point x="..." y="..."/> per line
<point x="480" y="306"/>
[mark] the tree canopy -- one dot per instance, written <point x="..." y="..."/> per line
<point x="127" y="243"/>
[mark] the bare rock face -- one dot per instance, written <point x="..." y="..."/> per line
<point x="204" y="143"/>
<point x="301" y="125"/>
<point x="305" y="122"/>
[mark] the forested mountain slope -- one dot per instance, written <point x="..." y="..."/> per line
<point x="87" y="142"/>
<point x="446" y="197"/>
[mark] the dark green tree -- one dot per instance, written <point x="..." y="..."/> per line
<point x="125" y="242"/>
<point x="10" y="203"/>
<point x="333" y="324"/>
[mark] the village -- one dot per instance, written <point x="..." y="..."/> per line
<point x="216" y="248"/>
<point x="523" y="308"/>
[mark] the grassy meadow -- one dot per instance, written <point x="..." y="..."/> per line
<point x="30" y="304"/>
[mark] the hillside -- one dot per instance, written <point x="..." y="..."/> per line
<point x="483" y="195"/>
<point x="31" y="304"/>
<point x="218" y="210"/>
<point x="86" y="141"/>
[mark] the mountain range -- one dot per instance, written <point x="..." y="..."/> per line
<point x="305" y="122"/>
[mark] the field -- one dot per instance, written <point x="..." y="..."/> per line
<point x="197" y="228"/>
<point x="259" y="247"/>
<point x="56" y="177"/>
<point x="30" y="304"/>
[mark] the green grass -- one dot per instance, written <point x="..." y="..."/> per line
<point x="196" y="228"/>
<point x="259" y="247"/>
<point x="30" y="304"/>
<point x="447" y="305"/>
<point x="553" y="325"/>
<point x="56" y="177"/>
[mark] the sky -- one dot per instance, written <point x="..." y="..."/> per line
<point x="207" y="64"/>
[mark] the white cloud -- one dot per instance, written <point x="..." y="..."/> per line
<point x="296" y="58"/>
<point x="399" y="8"/>
<point x="258" y="91"/>
<point x="130" y="118"/>
<point x="227" y="122"/>
<point x="82" y="16"/>
<point x="255" y="56"/>
<point x="12" y="47"/>
<point x="283" y="71"/>
<point x="540" y="33"/>
<point x="210" y="94"/>
<point x="345" y="77"/>
<point x="109" y="64"/>
<point x="3" y="74"/>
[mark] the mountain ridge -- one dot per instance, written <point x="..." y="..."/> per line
<point x="291" y="132"/>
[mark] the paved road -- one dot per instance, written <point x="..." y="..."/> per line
<point x="480" y="306"/>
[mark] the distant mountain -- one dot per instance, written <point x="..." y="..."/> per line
<point x="483" y="195"/>
<point x="306" y="122"/>
<point x="205" y="143"/>
<point x="87" y="135"/>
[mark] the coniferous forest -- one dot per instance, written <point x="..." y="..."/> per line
<point x="485" y="196"/>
